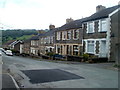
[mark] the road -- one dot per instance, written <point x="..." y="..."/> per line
<point x="36" y="73"/>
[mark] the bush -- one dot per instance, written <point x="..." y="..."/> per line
<point x="85" y="56"/>
<point x="14" y="51"/>
<point x="116" y="65"/>
<point x="50" y="53"/>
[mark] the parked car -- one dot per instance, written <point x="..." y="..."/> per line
<point x="0" y="53"/>
<point x="58" y="57"/>
<point x="1" y="49"/>
<point x="9" y="53"/>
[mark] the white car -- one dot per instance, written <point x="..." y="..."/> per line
<point x="0" y="53"/>
<point x="8" y="52"/>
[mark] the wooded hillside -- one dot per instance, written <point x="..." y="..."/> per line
<point x="16" y="34"/>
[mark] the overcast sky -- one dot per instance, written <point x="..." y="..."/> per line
<point x="39" y="14"/>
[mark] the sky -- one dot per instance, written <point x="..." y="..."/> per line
<point x="39" y="14"/>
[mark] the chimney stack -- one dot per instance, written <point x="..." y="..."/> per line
<point x="68" y="20"/>
<point x="51" y="26"/>
<point x="119" y="3"/>
<point x="99" y="8"/>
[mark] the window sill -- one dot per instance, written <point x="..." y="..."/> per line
<point x="90" y="33"/>
<point x="102" y="31"/>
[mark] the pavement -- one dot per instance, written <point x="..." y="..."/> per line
<point x="7" y="82"/>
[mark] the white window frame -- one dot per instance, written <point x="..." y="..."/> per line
<point x="69" y="33"/>
<point x="37" y="43"/>
<point x="91" y="42"/>
<point x="88" y="27"/>
<point x="100" y="25"/>
<point x="51" y="39"/>
<point x="41" y="40"/>
<point x="58" y="35"/>
<point x="64" y="34"/>
<point x="77" y="30"/>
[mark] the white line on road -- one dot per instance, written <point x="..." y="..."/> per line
<point x="16" y="85"/>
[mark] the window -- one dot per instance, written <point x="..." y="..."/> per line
<point x="75" y="50"/>
<point x="64" y="33"/>
<point x="50" y="39"/>
<point x="90" y="46"/>
<point x="76" y="34"/>
<point x="68" y="35"/>
<point x="102" y="25"/>
<point x="44" y="40"/>
<point x="37" y="43"/>
<point x="41" y="40"/>
<point x="90" y="27"/>
<point x="47" y="40"/>
<point x="58" y="35"/>
<point x="31" y="42"/>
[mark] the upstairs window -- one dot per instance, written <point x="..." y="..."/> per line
<point x="102" y="25"/>
<point x="32" y="42"/>
<point x="51" y="40"/>
<point x="64" y="33"/>
<point x="44" y="40"/>
<point x="41" y="40"/>
<point x="37" y="43"/>
<point x="90" y="27"/>
<point x="76" y="34"/>
<point x="58" y="35"/>
<point x="68" y="35"/>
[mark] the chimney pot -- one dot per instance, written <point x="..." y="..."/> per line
<point x="99" y="8"/>
<point x="51" y="26"/>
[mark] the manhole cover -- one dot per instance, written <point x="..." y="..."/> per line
<point x="49" y="75"/>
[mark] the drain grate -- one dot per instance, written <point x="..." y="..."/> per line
<point x="49" y="75"/>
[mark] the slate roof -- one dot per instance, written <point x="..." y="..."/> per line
<point x="35" y="37"/>
<point x="98" y="15"/>
<point x="49" y="33"/>
<point x="102" y="14"/>
<point x="15" y="42"/>
<point x="73" y="25"/>
<point x="26" y="41"/>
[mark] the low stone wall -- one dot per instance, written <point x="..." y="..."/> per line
<point x="74" y="58"/>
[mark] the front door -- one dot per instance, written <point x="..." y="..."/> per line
<point x="103" y="49"/>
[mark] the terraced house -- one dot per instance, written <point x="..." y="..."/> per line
<point x="26" y="46"/>
<point x="97" y="32"/>
<point x="34" y="47"/>
<point x="46" y="41"/>
<point x="68" y="38"/>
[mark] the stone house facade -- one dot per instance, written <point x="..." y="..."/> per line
<point x="96" y="32"/>
<point x="34" y="45"/>
<point x="26" y="46"/>
<point x="115" y="36"/>
<point x="46" y="41"/>
<point x="68" y="38"/>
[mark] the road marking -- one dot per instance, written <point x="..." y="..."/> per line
<point x="16" y="85"/>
